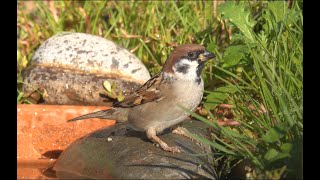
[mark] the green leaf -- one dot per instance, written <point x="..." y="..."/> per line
<point x="230" y="89"/>
<point x="281" y="12"/>
<point x="111" y="95"/>
<point x="234" y="54"/>
<point x="113" y="86"/>
<point x="120" y="96"/>
<point x="272" y="135"/>
<point x="292" y="16"/>
<point x="279" y="9"/>
<point x="214" y="99"/>
<point x="271" y="154"/>
<point x="219" y="95"/>
<point x="232" y="133"/>
<point x="274" y="155"/>
<point x="237" y="37"/>
<point x="286" y="147"/>
<point x="213" y="144"/>
<point x="107" y="86"/>
<point x="275" y="133"/>
<point x="263" y="39"/>
<point x="20" y="95"/>
<point x="232" y="59"/>
<point x="239" y="16"/>
<point x="211" y="47"/>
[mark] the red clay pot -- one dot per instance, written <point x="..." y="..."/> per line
<point x="43" y="134"/>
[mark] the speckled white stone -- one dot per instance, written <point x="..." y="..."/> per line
<point x="72" y="67"/>
<point x="91" y="54"/>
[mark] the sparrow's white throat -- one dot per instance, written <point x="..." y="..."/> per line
<point x="186" y="70"/>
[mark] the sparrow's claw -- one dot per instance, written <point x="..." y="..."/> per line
<point x="181" y="131"/>
<point x="174" y="149"/>
<point x="151" y="134"/>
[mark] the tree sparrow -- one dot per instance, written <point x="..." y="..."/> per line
<point x="154" y="107"/>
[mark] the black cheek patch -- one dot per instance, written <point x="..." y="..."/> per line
<point x="199" y="69"/>
<point x="198" y="80"/>
<point x="183" y="68"/>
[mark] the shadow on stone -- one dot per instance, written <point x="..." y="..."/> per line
<point x="120" y="152"/>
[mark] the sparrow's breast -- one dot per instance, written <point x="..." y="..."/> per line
<point x="166" y="113"/>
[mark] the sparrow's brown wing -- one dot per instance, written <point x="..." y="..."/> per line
<point x="146" y="93"/>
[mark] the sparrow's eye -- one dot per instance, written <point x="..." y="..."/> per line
<point x="191" y="55"/>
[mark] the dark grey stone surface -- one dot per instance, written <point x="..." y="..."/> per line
<point x="130" y="155"/>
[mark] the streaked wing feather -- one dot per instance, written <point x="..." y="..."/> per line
<point x="146" y="93"/>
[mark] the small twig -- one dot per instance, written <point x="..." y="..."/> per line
<point x="228" y="122"/>
<point x="214" y="8"/>
<point x="229" y="106"/>
<point x="128" y="36"/>
<point x="53" y="11"/>
<point x="86" y="19"/>
<point x="135" y="48"/>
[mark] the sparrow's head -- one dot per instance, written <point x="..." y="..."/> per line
<point x="187" y="61"/>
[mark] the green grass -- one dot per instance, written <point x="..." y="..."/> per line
<point x="259" y="48"/>
<point x="148" y="29"/>
<point x="270" y="81"/>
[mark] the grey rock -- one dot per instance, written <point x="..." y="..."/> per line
<point x="121" y="153"/>
<point x="72" y="67"/>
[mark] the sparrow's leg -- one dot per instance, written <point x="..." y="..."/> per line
<point x="152" y="135"/>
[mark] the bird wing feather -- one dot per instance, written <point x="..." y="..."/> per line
<point x="146" y="93"/>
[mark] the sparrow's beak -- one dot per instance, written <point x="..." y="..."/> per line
<point x="206" y="56"/>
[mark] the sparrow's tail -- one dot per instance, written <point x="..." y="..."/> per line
<point x="118" y="114"/>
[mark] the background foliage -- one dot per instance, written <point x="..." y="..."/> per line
<point x="257" y="82"/>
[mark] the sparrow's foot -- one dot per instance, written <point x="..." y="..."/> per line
<point x="151" y="134"/>
<point x="174" y="149"/>
<point x="181" y="131"/>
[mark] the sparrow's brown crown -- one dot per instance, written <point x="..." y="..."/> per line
<point x="184" y="51"/>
